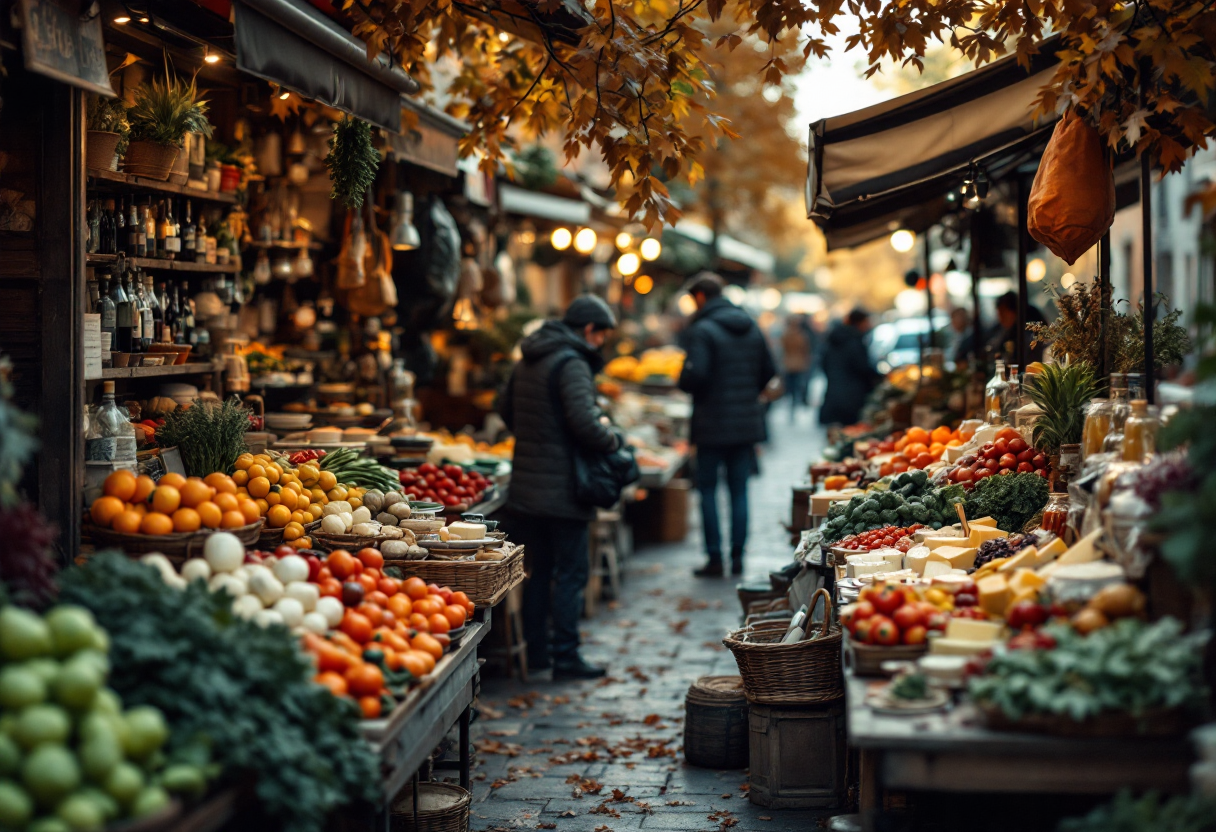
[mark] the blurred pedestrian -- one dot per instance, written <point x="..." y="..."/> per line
<point x="962" y="334"/>
<point x="1003" y="340"/>
<point x="850" y="373"/>
<point x="726" y="368"/>
<point x="796" y="361"/>
<point x="551" y="415"/>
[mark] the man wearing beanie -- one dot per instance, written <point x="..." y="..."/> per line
<point x="727" y="365"/>
<point x="550" y="416"/>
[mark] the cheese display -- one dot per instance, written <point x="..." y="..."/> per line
<point x="937" y="539"/>
<point x="1024" y="579"/>
<point x="821" y="502"/>
<point x="916" y="560"/>
<point x="934" y="568"/>
<point x="1046" y="554"/>
<point x="466" y="531"/>
<point x="982" y="521"/>
<point x="959" y="557"/>
<point x="980" y="534"/>
<point x="969" y="629"/>
<point x="994" y="594"/>
<point x="958" y="647"/>
<point x="1083" y="551"/>
<point x="1024" y="559"/>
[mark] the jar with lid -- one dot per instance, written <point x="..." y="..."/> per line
<point x="1097" y="423"/>
<point x="1055" y="513"/>
<point x="1119" y="411"/>
<point x="1140" y="432"/>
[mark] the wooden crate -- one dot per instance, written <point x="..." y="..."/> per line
<point x="797" y="756"/>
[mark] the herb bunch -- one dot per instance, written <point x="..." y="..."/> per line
<point x="246" y="691"/>
<point x="1149" y="813"/>
<point x="209" y="435"/>
<point x="165" y="111"/>
<point x="352" y="161"/>
<point x="1011" y="499"/>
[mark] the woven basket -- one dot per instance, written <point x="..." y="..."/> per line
<point x="802" y="673"/>
<point x="1158" y="722"/>
<point x="351" y="542"/>
<point x="99" y="149"/>
<point x="442" y="807"/>
<point x="149" y="159"/>
<point x="484" y="581"/>
<point x="175" y="546"/>
<point x="715" y="723"/>
<point x="273" y="537"/>
<point x="867" y="659"/>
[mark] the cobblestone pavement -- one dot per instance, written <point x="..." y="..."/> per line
<point x="586" y="756"/>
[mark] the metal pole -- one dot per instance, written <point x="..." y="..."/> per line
<point x="977" y="324"/>
<point x="929" y="292"/>
<point x="1019" y="343"/>
<point x="1146" y="233"/>
<point x="1104" y="320"/>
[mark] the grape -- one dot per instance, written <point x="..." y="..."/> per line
<point x="1169" y="472"/>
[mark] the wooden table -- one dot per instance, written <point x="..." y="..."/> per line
<point x="951" y="751"/>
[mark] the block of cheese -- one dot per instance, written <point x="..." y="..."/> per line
<point x="1050" y="552"/>
<point x="916" y="560"/>
<point x="968" y="629"/>
<point x="1083" y="551"/>
<point x="866" y="567"/>
<point x="938" y="539"/>
<point x="933" y="568"/>
<point x="982" y="521"/>
<point x="821" y="502"/>
<point x="959" y="557"/>
<point x="1024" y="579"/>
<point x="896" y="577"/>
<point x="461" y="530"/>
<point x="892" y="556"/>
<point x="1024" y="559"/>
<point x="994" y="594"/>
<point x="958" y="647"/>
<point x="980" y="534"/>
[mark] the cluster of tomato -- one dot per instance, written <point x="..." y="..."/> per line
<point x="307" y="455"/>
<point x="890" y="614"/>
<point x="894" y="537"/>
<point x="1007" y="454"/>
<point x="392" y="632"/>
<point x="450" y="485"/>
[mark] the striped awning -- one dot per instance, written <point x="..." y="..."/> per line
<point x="891" y="163"/>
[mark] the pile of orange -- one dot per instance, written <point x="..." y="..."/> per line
<point x="138" y="505"/>
<point x="919" y="448"/>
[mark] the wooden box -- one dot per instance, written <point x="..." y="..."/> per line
<point x="797" y="756"/>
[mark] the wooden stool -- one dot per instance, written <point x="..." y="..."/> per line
<point x="511" y="646"/>
<point x="605" y="563"/>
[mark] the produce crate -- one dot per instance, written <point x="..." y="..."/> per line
<point x="796" y="756"/>
<point x="486" y="582"/>
<point x="177" y="547"/>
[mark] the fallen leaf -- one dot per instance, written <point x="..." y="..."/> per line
<point x="765" y="817"/>
<point x="569" y="813"/>
<point x="546" y="826"/>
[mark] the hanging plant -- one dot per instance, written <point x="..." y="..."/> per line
<point x="352" y="161"/>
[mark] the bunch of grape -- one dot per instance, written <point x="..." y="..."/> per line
<point x="1168" y="472"/>
<point x="997" y="548"/>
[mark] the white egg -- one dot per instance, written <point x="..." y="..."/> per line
<point x="224" y="552"/>
<point x="196" y="569"/>
<point x="291" y="610"/>
<point x="291" y="568"/>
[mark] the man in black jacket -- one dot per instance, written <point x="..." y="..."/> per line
<point x="726" y="367"/>
<point x="550" y="416"/>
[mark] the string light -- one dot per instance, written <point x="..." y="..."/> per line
<point x="122" y="20"/>
<point x="210" y="57"/>
<point x="650" y="249"/>
<point x="561" y="238"/>
<point x="585" y="240"/>
<point x="628" y="264"/>
<point x="624" y="240"/>
<point x="1036" y="270"/>
<point x="903" y="240"/>
<point x="643" y="283"/>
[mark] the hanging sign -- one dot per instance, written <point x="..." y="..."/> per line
<point x="62" y="39"/>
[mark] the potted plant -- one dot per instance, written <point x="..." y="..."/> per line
<point x="1061" y="391"/>
<point x="108" y="132"/>
<point x="163" y="113"/>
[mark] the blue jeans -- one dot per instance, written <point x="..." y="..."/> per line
<point x="557" y="553"/>
<point x="739" y="461"/>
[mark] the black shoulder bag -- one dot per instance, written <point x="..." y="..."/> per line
<point x="598" y="477"/>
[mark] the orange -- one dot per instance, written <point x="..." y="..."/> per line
<point x="428" y="606"/>
<point x="915" y="449"/>
<point x="143" y="487"/>
<point x="120" y="484"/>
<point x="417" y="621"/>
<point x="263" y="507"/>
<point x="288" y="498"/>
<point x="954" y="443"/>
<point x="297" y="516"/>
<point x="243" y="462"/>
<point x="127" y="521"/>
<point x="294" y="485"/>
<point x="155" y="522"/>
<point x="227" y="502"/>
<point x="292" y="531"/>
<point x="221" y="482"/>
<point x="415" y="588"/>
<point x="210" y="514"/>
<point x="326" y="480"/>
<point x="941" y="434"/>
<point x="274" y="472"/>
<point x="258" y="486"/>
<point x="175" y="480"/>
<point x="273" y="497"/>
<point x="400" y="606"/>
<point x="250" y="510"/>
<point x="186" y="520"/>
<point x="256" y="470"/>
<point x="337" y="493"/>
<point x="456" y="614"/>
<point x="165" y="499"/>
<point x="139" y="508"/>
<point x="105" y="509"/>
<point x="915" y="434"/>
<point x="318" y="496"/>
<point x="195" y="491"/>
<point x="278" y="517"/>
<point x="240" y="477"/>
<point x="232" y="520"/>
<point x="315" y="510"/>
<point x="439" y="622"/>
<point x="412" y="662"/>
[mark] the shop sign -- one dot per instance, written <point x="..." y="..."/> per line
<point x="427" y="147"/>
<point x="62" y="39"/>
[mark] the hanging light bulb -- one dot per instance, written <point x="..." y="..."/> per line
<point x="585" y="240"/>
<point x="405" y="236"/>
<point x="624" y="240"/>
<point x="903" y="240"/>
<point x="628" y="264"/>
<point x="981" y="184"/>
<point x="643" y="283"/>
<point x="210" y="57"/>
<point x="561" y="238"/>
<point x="650" y="249"/>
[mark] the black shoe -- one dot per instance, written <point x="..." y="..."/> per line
<point x="736" y="567"/>
<point x="713" y="569"/>
<point x="576" y="668"/>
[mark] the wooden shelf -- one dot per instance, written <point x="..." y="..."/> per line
<point x="196" y="368"/>
<point x="117" y="179"/>
<point x="283" y="244"/>
<point x="156" y="264"/>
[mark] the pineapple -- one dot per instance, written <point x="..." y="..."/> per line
<point x="1061" y="391"/>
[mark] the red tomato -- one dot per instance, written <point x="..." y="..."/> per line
<point x="1017" y="445"/>
<point x="888" y="600"/>
<point x="981" y="474"/>
<point x="428" y="468"/>
<point x="1007" y="434"/>
<point x="908" y="616"/>
<point x="851" y="614"/>
<point x="389" y="586"/>
<point x="938" y="621"/>
<point x="1008" y="461"/>
<point x="883" y="631"/>
<point x="861" y="630"/>
<point x="915" y="635"/>
<point x="370" y="558"/>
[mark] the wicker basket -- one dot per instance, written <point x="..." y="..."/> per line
<point x="149" y="159"/>
<point x="486" y="582"/>
<point x="175" y="546"/>
<point x="273" y="537"/>
<point x="442" y="807"/>
<point x="803" y="673"/>
<point x="715" y="723"/>
<point x="351" y="542"/>
<point x="1158" y="722"/>
<point x="99" y="149"/>
<point x="867" y="659"/>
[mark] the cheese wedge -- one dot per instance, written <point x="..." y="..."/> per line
<point x="1025" y="579"/>
<point x="1024" y="559"/>
<point x="936" y="540"/>
<point x="958" y="647"/>
<point x="959" y="557"/>
<point x="1050" y="552"/>
<point x="994" y="594"/>
<point x="969" y="629"/>
<point x="980" y="534"/>
<point x="916" y="560"/>
<point x="933" y="568"/>
<point x="1084" y="550"/>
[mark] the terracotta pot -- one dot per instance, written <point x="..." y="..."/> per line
<point x="150" y="159"/>
<point x="99" y="149"/>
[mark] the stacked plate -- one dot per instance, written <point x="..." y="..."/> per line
<point x="288" y="421"/>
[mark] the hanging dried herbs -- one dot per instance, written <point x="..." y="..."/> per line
<point x="209" y="435"/>
<point x="352" y="161"/>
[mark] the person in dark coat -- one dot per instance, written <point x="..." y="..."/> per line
<point x="1003" y="341"/>
<point x="549" y="419"/>
<point x="726" y="367"/>
<point x="850" y="373"/>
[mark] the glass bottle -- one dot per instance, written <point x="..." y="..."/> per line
<point x="141" y="232"/>
<point x="188" y="235"/>
<point x="178" y="319"/>
<point x="93" y="246"/>
<point x="132" y="243"/>
<point x="188" y="327"/>
<point x="995" y="393"/>
<point x="1097" y="423"/>
<point x="170" y="319"/>
<point x="152" y="317"/>
<point x="173" y="244"/>
<point x="105" y="306"/>
<point x="132" y="287"/>
<point x="1140" y="432"/>
<point x="110" y="437"/>
<point x="1120" y="409"/>
<point x="149" y="230"/>
<point x="200" y="239"/>
<point x="124" y="315"/>
<point x="1055" y="513"/>
<point x="120" y="226"/>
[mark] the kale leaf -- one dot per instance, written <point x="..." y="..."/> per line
<point x="1012" y="499"/>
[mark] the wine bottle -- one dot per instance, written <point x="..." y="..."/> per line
<point x="120" y="226"/>
<point x="105" y="305"/>
<point x="133" y="229"/>
<point x="188" y="235"/>
<point x="93" y="246"/>
<point x="124" y="317"/>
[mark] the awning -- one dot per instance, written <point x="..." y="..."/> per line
<point x="294" y="45"/>
<point x="515" y="200"/>
<point x="891" y="162"/>
<point x="432" y="141"/>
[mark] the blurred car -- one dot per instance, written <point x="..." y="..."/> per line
<point x="897" y="343"/>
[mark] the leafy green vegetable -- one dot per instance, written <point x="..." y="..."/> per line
<point x="352" y="161"/>
<point x="246" y="690"/>
<point x="1012" y="499"/>
<point x="210" y="435"/>
<point x="1129" y="667"/>
<point x="1127" y="813"/>
<point x="887" y="504"/>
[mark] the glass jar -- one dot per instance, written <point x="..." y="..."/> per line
<point x="1097" y="423"/>
<point x="1140" y="432"/>
<point x="1120" y="409"/>
<point x="1055" y="513"/>
<point x="995" y="393"/>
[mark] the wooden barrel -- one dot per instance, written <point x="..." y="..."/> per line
<point x="715" y="723"/>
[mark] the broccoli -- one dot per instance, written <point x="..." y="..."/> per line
<point x="930" y="502"/>
<point x="904" y="511"/>
<point x="889" y="516"/>
<point x="908" y="491"/>
<point x="920" y="478"/>
<point x="869" y="516"/>
<point x="920" y="513"/>
<point x="935" y="525"/>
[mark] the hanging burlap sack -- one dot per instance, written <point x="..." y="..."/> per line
<point x="1072" y="202"/>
